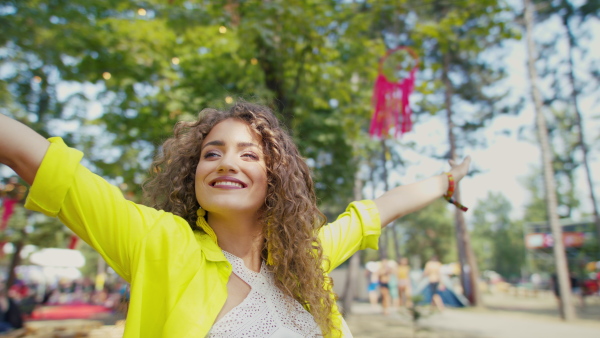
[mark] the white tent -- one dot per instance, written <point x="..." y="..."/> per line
<point x="58" y="258"/>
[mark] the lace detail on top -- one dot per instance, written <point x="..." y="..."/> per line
<point x="266" y="311"/>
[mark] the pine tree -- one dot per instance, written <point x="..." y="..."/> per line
<point x="566" y="306"/>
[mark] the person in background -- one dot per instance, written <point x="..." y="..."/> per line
<point x="574" y="286"/>
<point x="536" y="282"/>
<point x="433" y="272"/>
<point x="11" y="317"/>
<point x="393" y="284"/>
<point x="385" y="273"/>
<point x="598" y="277"/>
<point x="404" y="284"/>
<point x="373" y="287"/>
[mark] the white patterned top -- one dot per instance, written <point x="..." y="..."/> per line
<point x="266" y="311"/>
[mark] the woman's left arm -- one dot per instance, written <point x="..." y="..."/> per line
<point x="360" y="226"/>
<point x="408" y="198"/>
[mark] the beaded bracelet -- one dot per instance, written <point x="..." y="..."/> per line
<point x="450" y="192"/>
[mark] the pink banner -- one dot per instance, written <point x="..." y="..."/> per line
<point x="546" y="240"/>
<point x="391" y="101"/>
<point x="9" y="208"/>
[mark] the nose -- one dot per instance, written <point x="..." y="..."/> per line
<point x="228" y="164"/>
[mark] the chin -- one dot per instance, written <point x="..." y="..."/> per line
<point x="231" y="210"/>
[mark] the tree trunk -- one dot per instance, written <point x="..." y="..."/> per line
<point x="471" y="270"/>
<point x="468" y="264"/>
<point x="232" y="7"/>
<point x="275" y="82"/>
<point x="396" y="241"/>
<point x="566" y="306"/>
<point x="353" y="267"/>
<point x="351" y="278"/>
<point x="384" y="240"/>
<point x="14" y="262"/>
<point x="389" y="227"/>
<point x="579" y="123"/>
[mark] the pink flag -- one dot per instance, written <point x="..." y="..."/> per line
<point x="73" y="242"/>
<point x="9" y="208"/>
<point x="391" y="101"/>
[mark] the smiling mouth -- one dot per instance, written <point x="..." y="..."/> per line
<point x="227" y="184"/>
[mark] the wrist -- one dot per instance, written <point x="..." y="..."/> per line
<point x="457" y="174"/>
<point x="452" y="186"/>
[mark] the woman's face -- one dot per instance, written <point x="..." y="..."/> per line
<point x="231" y="175"/>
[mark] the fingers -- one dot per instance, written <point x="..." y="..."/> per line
<point x="466" y="161"/>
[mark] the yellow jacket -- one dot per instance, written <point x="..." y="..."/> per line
<point x="178" y="276"/>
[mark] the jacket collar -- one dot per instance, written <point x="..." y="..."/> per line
<point x="210" y="236"/>
<point x="208" y="240"/>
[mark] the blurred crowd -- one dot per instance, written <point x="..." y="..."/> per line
<point x="394" y="285"/>
<point x="21" y="300"/>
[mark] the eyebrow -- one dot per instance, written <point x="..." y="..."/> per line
<point x="220" y="143"/>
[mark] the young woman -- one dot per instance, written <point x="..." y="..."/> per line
<point x="404" y="283"/>
<point x="233" y="244"/>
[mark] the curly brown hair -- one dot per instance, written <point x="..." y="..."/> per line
<point x="290" y="216"/>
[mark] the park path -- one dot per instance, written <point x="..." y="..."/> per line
<point x="497" y="324"/>
<point x="504" y="317"/>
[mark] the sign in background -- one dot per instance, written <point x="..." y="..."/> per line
<point x="546" y="240"/>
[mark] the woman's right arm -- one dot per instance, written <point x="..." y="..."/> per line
<point x="94" y="209"/>
<point x="21" y="148"/>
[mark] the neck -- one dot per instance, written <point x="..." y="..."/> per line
<point x="240" y="236"/>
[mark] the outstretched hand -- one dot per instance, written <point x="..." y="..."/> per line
<point x="460" y="170"/>
<point x="408" y="198"/>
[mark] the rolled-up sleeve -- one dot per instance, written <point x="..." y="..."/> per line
<point x="94" y="209"/>
<point x="356" y="229"/>
<point x="53" y="178"/>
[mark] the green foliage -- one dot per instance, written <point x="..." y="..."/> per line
<point x="91" y="260"/>
<point x="536" y="209"/>
<point x="430" y="232"/>
<point x="497" y="240"/>
<point x="167" y="62"/>
<point x="38" y="230"/>
<point x="458" y="39"/>
<point x="25" y="226"/>
<point x="571" y="83"/>
<point x="313" y="62"/>
<point x="16" y="224"/>
<point x="565" y="161"/>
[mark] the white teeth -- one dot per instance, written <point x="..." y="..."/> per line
<point x="235" y="184"/>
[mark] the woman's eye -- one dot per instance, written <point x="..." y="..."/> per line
<point x="210" y="154"/>
<point x="251" y="155"/>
